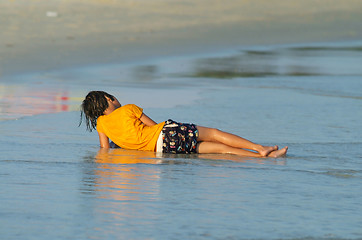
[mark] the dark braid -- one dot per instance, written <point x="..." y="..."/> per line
<point x="93" y="106"/>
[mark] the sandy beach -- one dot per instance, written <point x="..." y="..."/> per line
<point x="275" y="72"/>
<point x="38" y="35"/>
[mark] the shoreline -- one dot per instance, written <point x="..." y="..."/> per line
<point x="44" y="92"/>
<point x="51" y="53"/>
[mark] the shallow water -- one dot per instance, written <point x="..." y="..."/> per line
<point x="56" y="184"/>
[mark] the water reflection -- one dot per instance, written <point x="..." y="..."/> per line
<point x="127" y="175"/>
<point x="117" y="156"/>
<point x="26" y="100"/>
<point x="119" y="186"/>
<point x="121" y="156"/>
<point x="118" y="177"/>
<point x="127" y="188"/>
<point x="240" y="159"/>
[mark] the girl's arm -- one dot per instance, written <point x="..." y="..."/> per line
<point x="146" y="120"/>
<point x="103" y="140"/>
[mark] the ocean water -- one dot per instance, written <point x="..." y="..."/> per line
<point x="57" y="184"/>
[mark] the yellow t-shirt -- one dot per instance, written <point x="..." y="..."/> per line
<point x="124" y="127"/>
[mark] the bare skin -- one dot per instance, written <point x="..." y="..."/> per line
<point x="215" y="141"/>
<point x="279" y="153"/>
<point x="211" y="140"/>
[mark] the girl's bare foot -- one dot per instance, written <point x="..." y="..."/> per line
<point x="266" y="150"/>
<point x="278" y="153"/>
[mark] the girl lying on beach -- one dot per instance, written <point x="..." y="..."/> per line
<point x="129" y="128"/>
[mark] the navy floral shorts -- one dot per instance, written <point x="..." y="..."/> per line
<point x="179" y="137"/>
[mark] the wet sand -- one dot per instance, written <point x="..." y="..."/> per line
<point x="57" y="184"/>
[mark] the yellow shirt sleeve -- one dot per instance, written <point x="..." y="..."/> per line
<point x="136" y="110"/>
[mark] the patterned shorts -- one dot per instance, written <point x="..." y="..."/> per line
<point x="179" y="137"/>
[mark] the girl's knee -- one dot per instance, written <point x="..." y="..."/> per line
<point x="215" y="133"/>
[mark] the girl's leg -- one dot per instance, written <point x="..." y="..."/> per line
<point x="214" y="135"/>
<point x="213" y="147"/>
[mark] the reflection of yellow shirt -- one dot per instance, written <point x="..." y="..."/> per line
<point x="124" y="127"/>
